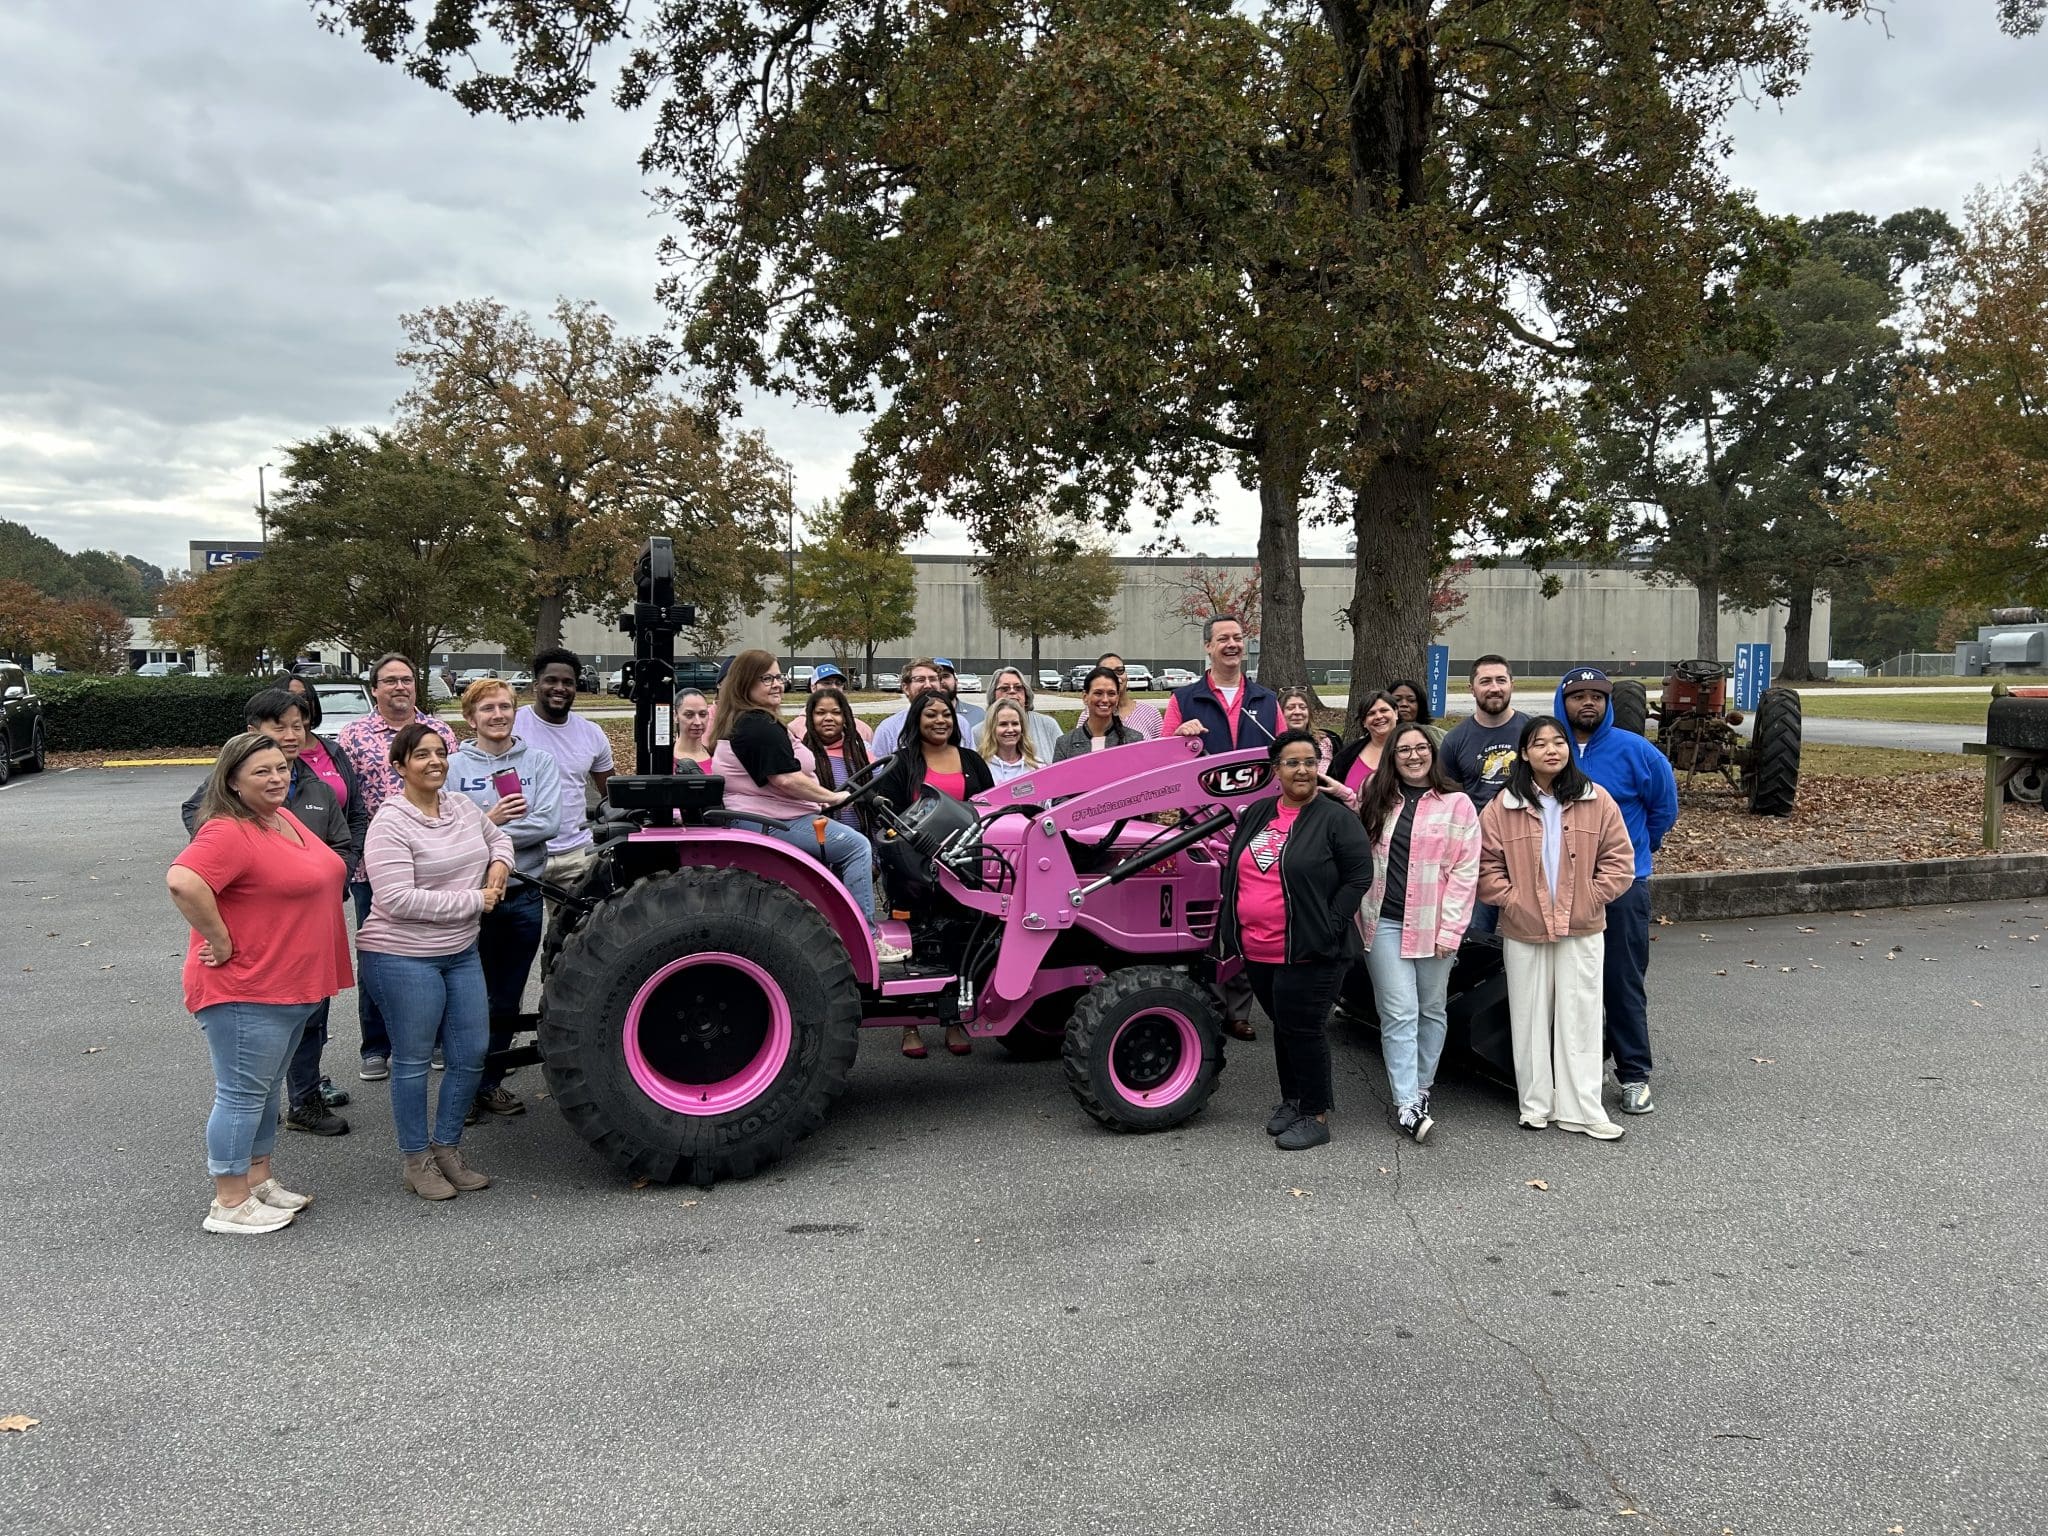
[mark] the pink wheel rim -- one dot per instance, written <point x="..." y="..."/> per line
<point x="736" y="1090"/>
<point x="1140" y="1044"/>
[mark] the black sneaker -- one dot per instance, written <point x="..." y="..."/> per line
<point x="1415" y="1123"/>
<point x="335" y="1097"/>
<point x="1285" y="1113"/>
<point x="1306" y="1132"/>
<point x="315" y="1118"/>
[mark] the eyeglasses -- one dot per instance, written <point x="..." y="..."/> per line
<point x="1291" y="764"/>
<point x="774" y="678"/>
<point x="1411" y="752"/>
<point x="393" y="682"/>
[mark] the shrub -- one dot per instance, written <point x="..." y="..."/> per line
<point x="82" y="713"/>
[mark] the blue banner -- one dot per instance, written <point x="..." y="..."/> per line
<point x="1752" y="673"/>
<point x="1439" y="680"/>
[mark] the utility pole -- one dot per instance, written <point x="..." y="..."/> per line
<point x="789" y="590"/>
<point x="262" y="505"/>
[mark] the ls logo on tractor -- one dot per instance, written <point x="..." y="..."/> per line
<point x="1242" y="779"/>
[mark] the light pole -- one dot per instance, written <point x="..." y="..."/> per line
<point x="262" y="504"/>
<point x="789" y="590"/>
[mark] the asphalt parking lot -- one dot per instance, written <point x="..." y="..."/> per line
<point x="1804" y="1297"/>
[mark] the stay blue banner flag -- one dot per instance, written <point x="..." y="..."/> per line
<point x="1439" y="680"/>
<point x="1752" y="673"/>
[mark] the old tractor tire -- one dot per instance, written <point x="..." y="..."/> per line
<point x="1774" y="753"/>
<point x="699" y="1025"/>
<point x="1143" y="1048"/>
<point x="1631" y="703"/>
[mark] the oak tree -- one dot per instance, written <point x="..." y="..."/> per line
<point x="1045" y="579"/>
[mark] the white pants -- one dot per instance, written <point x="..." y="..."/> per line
<point x="1554" y="993"/>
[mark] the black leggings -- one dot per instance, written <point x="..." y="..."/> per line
<point x="1298" y="999"/>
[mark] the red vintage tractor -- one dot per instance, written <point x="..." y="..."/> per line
<point x="1699" y="734"/>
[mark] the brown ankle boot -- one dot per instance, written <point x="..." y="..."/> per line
<point x="424" y="1178"/>
<point x="456" y="1171"/>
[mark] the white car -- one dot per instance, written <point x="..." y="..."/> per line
<point x="800" y="678"/>
<point x="1136" y="678"/>
<point x="970" y="682"/>
<point x="1048" y="680"/>
<point x="1176" y="677"/>
<point x="341" y="703"/>
<point x="163" y="669"/>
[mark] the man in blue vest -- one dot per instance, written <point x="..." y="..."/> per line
<point x="1229" y="712"/>
<point x="1224" y="707"/>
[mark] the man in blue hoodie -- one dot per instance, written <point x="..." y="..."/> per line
<point x="1640" y="779"/>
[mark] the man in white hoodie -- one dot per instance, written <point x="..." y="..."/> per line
<point x="529" y="811"/>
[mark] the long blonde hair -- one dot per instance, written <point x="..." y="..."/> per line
<point x="986" y="746"/>
<point x="735" y="694"/>
<point x="220" y="798"/>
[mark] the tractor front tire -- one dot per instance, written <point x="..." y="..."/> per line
<point x="1631" y="702"/>
<point x="1143" y="1048"/>
<point x="699" y="1024"/>
<point x="1774" y="753"/>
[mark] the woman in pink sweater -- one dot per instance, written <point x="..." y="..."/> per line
<point x="436" y="865"/>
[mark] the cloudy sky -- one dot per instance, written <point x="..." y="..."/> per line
<point x="211" y="214"/>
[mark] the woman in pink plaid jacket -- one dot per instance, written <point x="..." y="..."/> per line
<point x="1425" y="837"/>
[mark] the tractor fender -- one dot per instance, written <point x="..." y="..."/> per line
<point x="728" y="848"/>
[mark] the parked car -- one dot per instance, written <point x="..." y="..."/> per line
<point x="1337" y="677"/>
<point x="1840" y="668"/>
<point x="472" y="675"/>
<point x="698" y="674"/>
<point x="970" y="682"/>
<point x="341" y="703"/>
<point x="21" y="722"/>
<point x="1137" y="678"/>
<point x="1048" y="679"/>
<point x="616" y="684"/>
<point x="520" y="681"/>
<point x="163" y="669"/>
<point x="1176" y="677"/>
<point x="799" y="678"/>
<point x="1077" y="677"/>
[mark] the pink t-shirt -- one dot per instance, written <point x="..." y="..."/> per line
<point x="952" y="785"/>
<point x="281" y="902"/>
<point x="1356" y="775"/>
<point x="314" y="755"/>
<point x="1261" y="906"/>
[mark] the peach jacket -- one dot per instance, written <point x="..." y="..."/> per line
<point x="1596" y="865"/>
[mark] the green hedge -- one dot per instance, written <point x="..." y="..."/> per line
<point x="82" y="713"/>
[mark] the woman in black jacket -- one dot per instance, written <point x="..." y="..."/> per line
<point x="931" y="754"/>
<point x="1297" y="870"/>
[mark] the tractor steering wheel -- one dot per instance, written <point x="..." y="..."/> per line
<point x="861" y="784"/>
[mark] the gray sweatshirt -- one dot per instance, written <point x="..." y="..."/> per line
<point x="470" y="769"/>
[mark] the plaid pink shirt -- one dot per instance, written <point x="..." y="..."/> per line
<point x="367" y="745"/>
<point x="1443" y="875"/>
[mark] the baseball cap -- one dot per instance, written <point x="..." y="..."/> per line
<point x="1585" y="680"/>
<point x="944" y="664"/>
<point x="827" y="670"/>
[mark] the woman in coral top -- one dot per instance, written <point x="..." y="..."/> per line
<point x="268" y="949"/>
<point x="1292" y="881"/>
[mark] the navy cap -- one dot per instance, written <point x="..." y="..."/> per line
<point x="1585" y="680"/>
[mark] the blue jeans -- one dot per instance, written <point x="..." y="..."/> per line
<point x="506" y="944"/>
<point x="250" y="1044"/>
<point x="846" y="853"/>
<point x="424" y="996"/>
<point x="1409" y="995"/>
<point x="1485" y="918"/>
<point x="376" y="1038"/>
<point x="1628" y="1002"/>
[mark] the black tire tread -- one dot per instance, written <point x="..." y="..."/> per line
<point x="38" y="751"/>
<point x="1631" y="702"/>
<point x="1774" y="753"/>
<point x="579" y="1036"/>
<point x="1102" y="1007"/>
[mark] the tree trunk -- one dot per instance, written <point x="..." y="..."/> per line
<point x="547" y="627"/>
<point x="1393" y="521"/>
<point x="1706" y="637"/>
<point x="1282" y="461"/>
<point x="1798" y="662"/>
<point x="1034" y="658"/>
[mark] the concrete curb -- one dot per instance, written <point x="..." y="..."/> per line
<point x="1848" y="887"/>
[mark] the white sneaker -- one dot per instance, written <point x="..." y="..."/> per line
<point x="252" y="1215"/>
<point x="1599" y="1130"/>
<point x="277" y="1197"/>
<point x="889" y="954"/>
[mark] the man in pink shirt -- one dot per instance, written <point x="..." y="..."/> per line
<point x="394" y="689"/>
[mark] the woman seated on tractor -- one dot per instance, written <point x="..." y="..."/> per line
<point x="1099" y="728"/>
<point x="693" y="727"/>
<point x="769" y="776"/>
<point x="933" y="756"/>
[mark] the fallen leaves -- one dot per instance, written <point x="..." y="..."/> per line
<point x="1299" y="1194"/>
<point x="1536" y="1184"/>
<point x="1764" y="1061"/>
<point x="94" y="1050"/>
<point x="18" y="1423"/>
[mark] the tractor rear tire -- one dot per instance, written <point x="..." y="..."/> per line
<point x="1774" y="753"/>
<point x="1144" y="1048"/>
<point x="699" y="1025"/>
<point x="1631" y="703"/>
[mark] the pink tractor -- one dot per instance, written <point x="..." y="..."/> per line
<point x="705" y="985"/>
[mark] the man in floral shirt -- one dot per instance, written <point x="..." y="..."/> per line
<point x="394" y="689"/>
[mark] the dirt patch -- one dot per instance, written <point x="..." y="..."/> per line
<point x="58" y="761"/>
<point x="1848" y="820"/>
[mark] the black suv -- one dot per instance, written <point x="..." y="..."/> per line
<point x="21" y="722"/>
